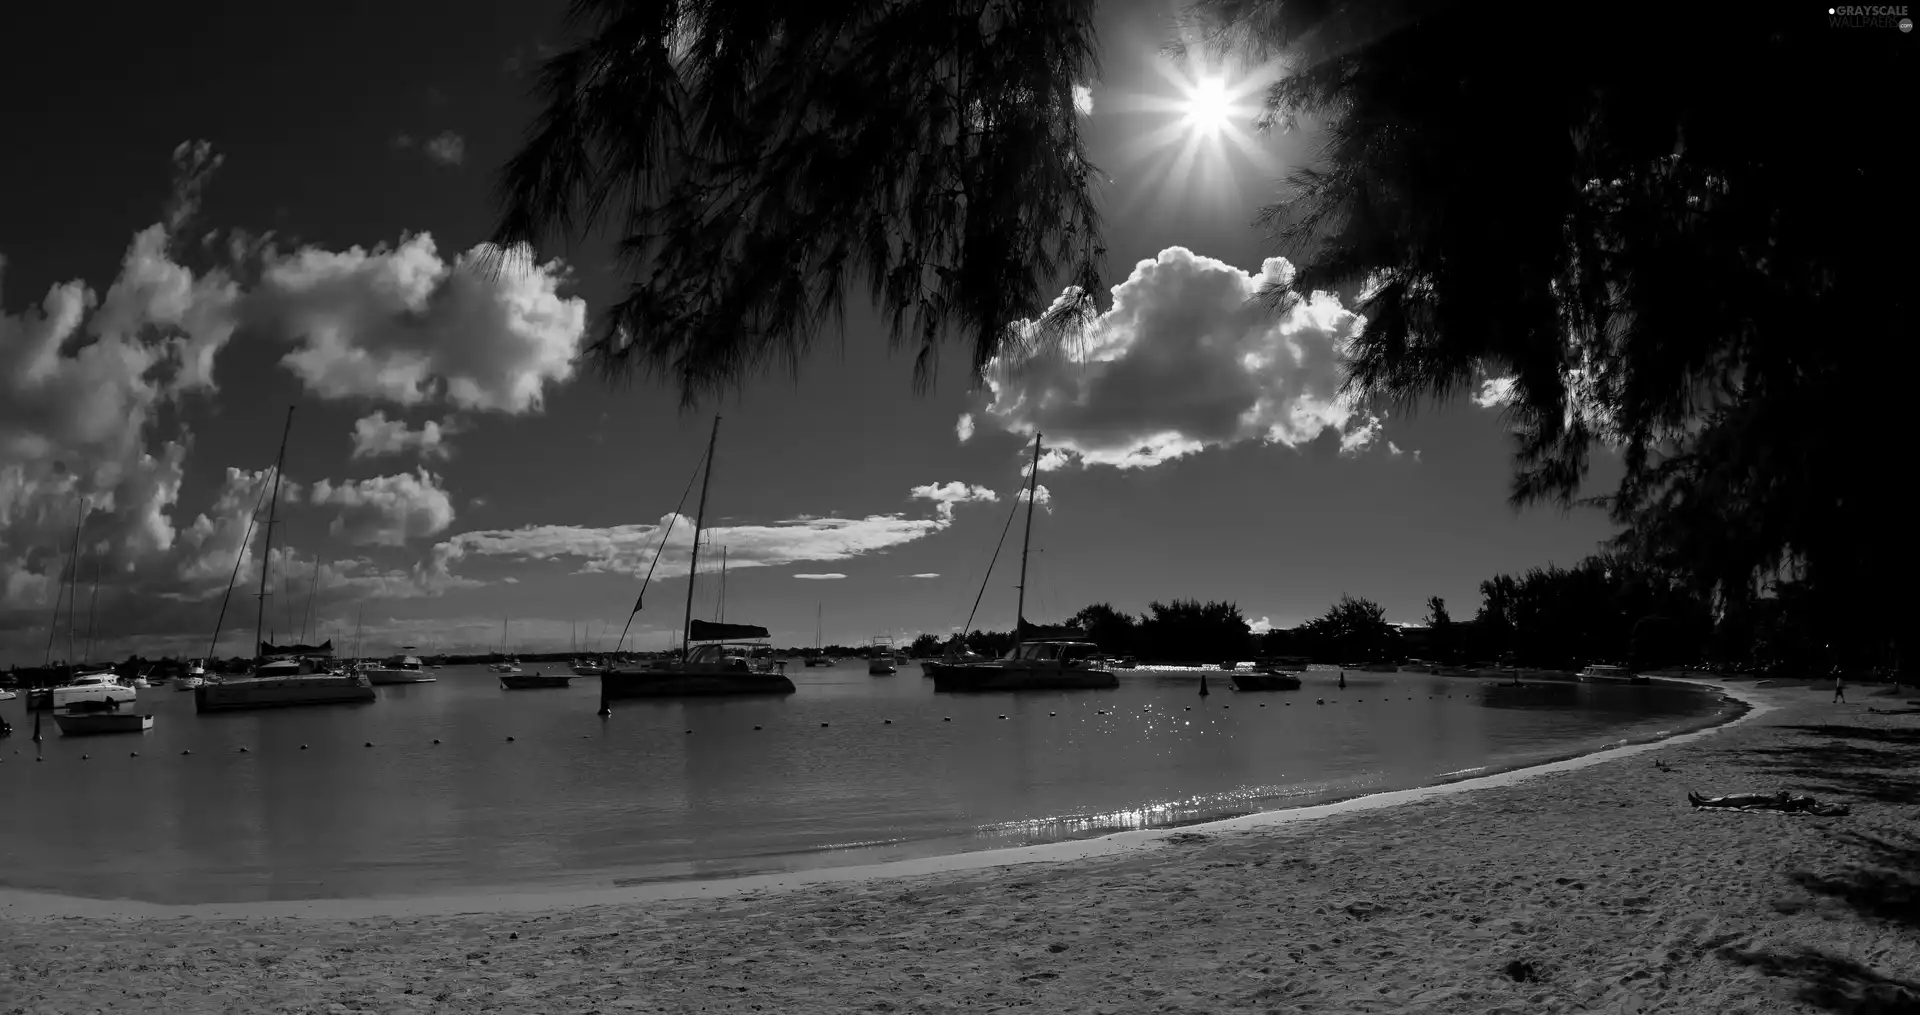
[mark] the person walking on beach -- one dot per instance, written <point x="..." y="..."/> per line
<point x="1839" y="688"/>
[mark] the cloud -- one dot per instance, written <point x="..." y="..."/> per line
<point x="1050" y="460"/>
<point x="1041" y="496"/>
<point x="446" y="148"/>
<point x="386" y="510"/>
<point x="1397" y="452"/>
<point x="1083" y="99"/>
<point x="1494" y="392"/>
<point x="1184" y="360"/>
<point x="377" y="435"/>
<point x="630" y="549"/>
<point x="946" y="495"/>
<point x="486" y="331"/>
<point x="925" y="574"/>
<point x="963" y="428"/>
<point x="829" y="576"/>
<point x="1261" y="626"/>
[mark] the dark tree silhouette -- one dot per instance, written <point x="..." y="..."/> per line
<point x="1108" y="628"/>
<point x="1352" y="630"/>
<point x="757" y="161"/>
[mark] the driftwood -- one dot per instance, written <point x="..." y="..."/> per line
<point x="1790" y="803"/>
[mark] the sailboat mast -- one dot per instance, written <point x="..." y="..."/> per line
<point x="1033" y="484"/>
<point x="93" y="599"/>
<point x="266" y="551"/>
<point x="699" y="523"/>
<point x="79" y="521"/>
<point x="722" y="618"/>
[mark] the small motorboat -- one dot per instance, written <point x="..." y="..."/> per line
<point x="530" y="681"/>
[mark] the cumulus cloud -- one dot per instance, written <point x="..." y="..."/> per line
<point x="377" y="435"/>
<point x="1494" y="392"/>
<point x="827" y="577"/>
<point x="1050" y="460"/>
<point x="1261" y="626"/>
<point x="1041" y="496"/>
<point x="446" y="148"/>
<point x="1184" y="361"/>
<point x="386" y="510"/>
<point x="945" y="496"/>
<point x="963" y="427"/>
<point x="485" y="331"/>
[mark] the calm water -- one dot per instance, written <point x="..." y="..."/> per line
<point x="663" y="790"/>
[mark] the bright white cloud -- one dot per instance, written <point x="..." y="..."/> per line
<point x="1183" y="361"/>
<point x="485" y="331"/>
<point x="925" y="574"/>
<point x="446" y="148"/>
<point x="1494" y="392"/>
<point x="963" y="427"/>
<point x="1041" y="496"/>
<point x="386" y="510"/>
<point x="946" y="495"/>
<point x="1261" y="626"/>
<point x="1051" y="460"/>
<point x="1083" y="99"/>
<point x="377" y="435"/>
<point x="827" y="577"/>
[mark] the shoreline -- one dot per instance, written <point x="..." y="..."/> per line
<point x="23" y="904"/>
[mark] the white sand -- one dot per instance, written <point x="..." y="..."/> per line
<point x="1593" y="874"/>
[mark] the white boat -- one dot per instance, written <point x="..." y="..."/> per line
<point x="100" y="685"/>
<point x="586" y="668"/>
<point x="187" y="682"/>
<point x="139" y="682"/>
<point x="1601" y="674"/>
<point x="510" y="666"/>
<point x="6" y="695"/>
<point x="1040" y="660"/>
<point x="880" y="662"/>
<point x="79" y="724"/>
<point x="402" y="669"/>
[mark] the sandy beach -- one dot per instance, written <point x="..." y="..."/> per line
<point x="1594" y="887"/>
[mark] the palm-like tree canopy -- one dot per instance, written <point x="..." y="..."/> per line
<point x="759" y="158"/>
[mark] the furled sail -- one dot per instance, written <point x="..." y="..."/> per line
<point x="269" y="649"/>
<point x="707" y="630"/>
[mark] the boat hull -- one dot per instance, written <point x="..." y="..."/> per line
<point x="819" y="662"/>
<point x="961" y="678"/>
<point x="281" y="692"/>
<point x="383" y="677"/>
<point x="94" y="723"/>
<point x="1257" y="681"/>
<point x="695" y="684"/>
<point x="530" y="681"/>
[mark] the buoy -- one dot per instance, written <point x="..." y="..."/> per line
<point x="245" y="751"/>
<point x="1189" y="708"/>
<point x="756" y="727"/>
<point x="888" y="722"/>
<point x="304" y="746"/>
<point x="84" y="757"/>
<point x="509" y="740"/>
<point x="947" y="719"/>
<point x="689" y="731"/>
<point x="1263" y="704"/>
<point x="436" y="740"/>
<point x="823" y="725"/>
<point x="1050" y="714"/>
<point x="1319" y="701"/>
<point x="133" y="754"/>
<point x="1003" y="717"/>
<point x="186" y="752"/>
<point x="369" y="743"/>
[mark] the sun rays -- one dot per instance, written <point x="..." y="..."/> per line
<point x="1199" y="141"/>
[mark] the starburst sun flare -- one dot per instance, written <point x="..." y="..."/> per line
<point x="1202" y="129"/>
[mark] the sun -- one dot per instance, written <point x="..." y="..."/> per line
<point x="1198" y="133"/>
<point x="1209" y="106"/>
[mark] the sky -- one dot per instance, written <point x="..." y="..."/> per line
<point x="244" y="208"/>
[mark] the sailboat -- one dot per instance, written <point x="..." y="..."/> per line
<point x="290" y="679"/>
<point x="583" y="667"/>
<point x="819" y="656"/>
<point x="507" y="663"/>
<point x="716" y="658"/>
<point x="1042" y="658"/>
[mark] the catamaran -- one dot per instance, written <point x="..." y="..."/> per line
<point x="1042" y="658"/>
<point x="288" y="680"/>
<point x="716" y="658"/>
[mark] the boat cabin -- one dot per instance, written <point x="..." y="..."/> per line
<point x="743" y="658"/>
<point x="1064" y="653"/>
<point x="402" y="663"/>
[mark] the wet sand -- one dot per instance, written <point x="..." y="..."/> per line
<point x="1589" y="887"/>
